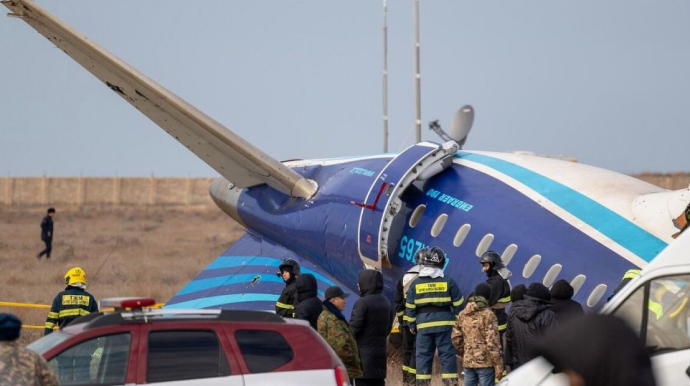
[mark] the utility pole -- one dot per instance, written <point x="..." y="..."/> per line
<point x="385" y="77"/>
<point x="417" y="76"/>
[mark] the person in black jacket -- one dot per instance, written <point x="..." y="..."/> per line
<point x="289" y="270"/>
<point x="47" y="234"/>
<point x="529" y="319"/>
<point x="500" y="289"/>
<point x="309" y="306"/>
<point x="563" y="305"/>
<point x="67" y="306"/>
<point x="71" y="303"/>
<point x="598" y="350"/>
<point x="371" y="322"/>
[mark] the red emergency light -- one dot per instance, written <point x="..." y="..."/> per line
<point x="127" y="302"/>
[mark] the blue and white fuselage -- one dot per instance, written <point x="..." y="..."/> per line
<point x="550" y="219"/>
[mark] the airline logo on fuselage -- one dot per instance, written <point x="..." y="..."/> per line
<point x="450" y="200"/>
<point x="362" y="171"/>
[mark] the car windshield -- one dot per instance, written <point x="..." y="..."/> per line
<point x="49" y="341"/>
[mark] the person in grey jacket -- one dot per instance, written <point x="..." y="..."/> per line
<point x="371" y="322"/>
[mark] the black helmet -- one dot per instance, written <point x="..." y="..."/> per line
<point x="419" y="256"/>
<point x="292" y="263"/>
<point x="494" y="260"/>
<point x="434" y="257"/>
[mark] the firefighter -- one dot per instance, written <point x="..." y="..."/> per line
<point x="433" y="302"/>
<point x="409" y="363"/>
<point x="289" y="270"/>
<point x="71" y="303"/>
<point x="500" y="289"/>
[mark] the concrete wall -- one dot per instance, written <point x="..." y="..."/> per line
<point x="77" y="191"/>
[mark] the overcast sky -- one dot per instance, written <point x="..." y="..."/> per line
<point x="607" y="82"/>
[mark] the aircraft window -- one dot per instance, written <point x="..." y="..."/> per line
<point x="484" y="244"/>
<point x="552" y="274"/>
<point x="577" y="283"/>
<point x="531" y="266"/>
<point x="417" y="215"/>
<point x="596" y="295"/>
<point x="461" y="234"/>
<point x="439" y="224"/>
<point x="508" y="253"/>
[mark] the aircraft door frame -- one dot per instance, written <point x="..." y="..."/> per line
<point x="382" y="203"/>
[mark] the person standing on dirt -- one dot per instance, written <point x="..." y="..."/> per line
<point x="371" y="322"/>
<point x="71" y="303"/>
<point x="409" y="361"/>
<point x="285" y="306"/>
<point x="309" y="306"/>
<point x="47" y="234"/>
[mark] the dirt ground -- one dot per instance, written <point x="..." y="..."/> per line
<point x="127" y="251"/>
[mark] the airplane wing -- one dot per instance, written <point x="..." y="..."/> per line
<point x="230" y="155"/>
<point x="244" y="277"/>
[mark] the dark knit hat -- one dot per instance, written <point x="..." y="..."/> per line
<point x="10" y="326"/>
<point x="484" y="290"/>
<point x="562" y="290"/>
<point x="518" y="293"/>
<point x="538" y="291"/>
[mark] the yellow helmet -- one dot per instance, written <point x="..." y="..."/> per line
<point x="75" y="275"/>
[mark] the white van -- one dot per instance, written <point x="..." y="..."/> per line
<point x="656" y="305"/>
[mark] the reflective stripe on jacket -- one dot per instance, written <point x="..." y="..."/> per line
<point x="432" y="304"/>
<point x="68" y="305"/>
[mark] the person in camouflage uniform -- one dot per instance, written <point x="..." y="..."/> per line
<point x="334" y="328"/>
<point x="18" y="365"/>
<point x="475" y="336"/>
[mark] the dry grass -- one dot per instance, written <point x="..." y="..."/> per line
<point x="129" y="251"/>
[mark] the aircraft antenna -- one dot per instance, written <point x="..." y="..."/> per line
<point x="417" y="76"/>
<point x="385" y="77"/>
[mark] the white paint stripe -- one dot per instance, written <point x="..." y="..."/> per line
<point x="556" y="210"/>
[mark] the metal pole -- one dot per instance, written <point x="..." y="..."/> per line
<point x="385" y="77"/>
<point x="417" y="76"/>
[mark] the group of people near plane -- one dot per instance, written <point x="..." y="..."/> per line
<point x="433" y="316"/>
<point x="359" y="342"/>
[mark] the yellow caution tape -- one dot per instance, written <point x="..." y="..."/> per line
<point x="34" y="327"/>
<point x="27" y="305"/>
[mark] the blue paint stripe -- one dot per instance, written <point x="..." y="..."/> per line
<point x="204" y="284"/>
<point x="604" y="220"/>
<point x="220" y="272"/>
<point x="239" y="261"/>
<point x="215" y="301"/>
<point x="228" y="283"/>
